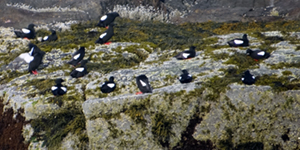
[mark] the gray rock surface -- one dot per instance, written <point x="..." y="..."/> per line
<point x="112" y="123"/>
<point x="18" y="13"/>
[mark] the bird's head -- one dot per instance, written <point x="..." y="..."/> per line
<point x="59" y="80"/>
<point x="53" y="31"/>
<point x="111" y="78"/>
<point x="184" y="71"/>
<point x="31" y="26"/>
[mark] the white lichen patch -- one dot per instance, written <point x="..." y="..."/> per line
<point x="48" y="9"/>
<point x="144" y="13"/>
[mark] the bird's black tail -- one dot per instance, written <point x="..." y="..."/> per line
<point x="267" y="55"/>
<point x="99" y="41"/>
<point x="19" y="33"/>
<point x="100" y="24"/>
<point x="72" y="63"/>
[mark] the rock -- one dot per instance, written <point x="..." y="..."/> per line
<point x="256" y="99"/>
<point x="159" y="120"/>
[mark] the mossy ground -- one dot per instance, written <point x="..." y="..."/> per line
<point x="279" y="84"/>
<point x="52" y="128"/>
<point x="156" y="35"/>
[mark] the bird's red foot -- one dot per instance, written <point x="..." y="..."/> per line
<point x="107" y="43"/>
<point x="26" y="38"/>
<point x="256" y="59"/>
<point x="137" y="93"/>
<point x="34" y="72"/>
<point x="106" y="27"/>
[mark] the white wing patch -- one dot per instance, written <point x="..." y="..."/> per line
<point x="80" y="69"/>
<point x="111" y="85"/>
<point x="64" y="89"/>
<point x="26" y="57"/>
<point x="143" y="83"/>
<point x="185" y="55"/>
<point x="262" y="53"/>
<point x="26" y="31"/>
<point x="253" y="77"/>
<point x="102" y="35"/>
<point x="190" y="75"/>
<point x="53" y="88"/>
<point x="31" y="51"/>
<point x="238" y="41"/>
<point x="45" y="38"/>
<point x="180" y="78"/>
<point x="76" y="56"/>
<point x="103" y="17"/>
<point x="243" y="79"/>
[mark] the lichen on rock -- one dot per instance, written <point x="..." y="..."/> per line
<point x="227" y="112"/>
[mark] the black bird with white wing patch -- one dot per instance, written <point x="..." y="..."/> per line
<point x="108" y="86"/>
<point x="77" y="56"/>
<point x="239" y="42"/>
<point x="80" y="71"/>
<point x="34" y="49"/>
<point x="35" y="63"/>
<point x="107" y="19"/>
<point x="248" y="78"/>
<point x="27" y="33"/>
<point x="143" y="84"/>
<point x="106" y="35"/>
<point x="185" y="77"/>
<point x="186" y="54"/>
<point x="58" y="89"/>
<point x="257" y="54"/>
<point x="52" y="37"/>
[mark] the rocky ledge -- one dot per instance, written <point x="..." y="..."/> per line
<point x="215" y="111"/>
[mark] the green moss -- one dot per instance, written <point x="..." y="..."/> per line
<point x="286" y="72"/>
<point x="117" y="61"/>
<point x="205" y="108"/>
<point x="278" y="83"/>
<point x="217" y="85"/>
<point x="138" y="110"/>
<point x="250" y="27"/>
<point x="162" y="125"/>
<point x="220" y="56"/>
<point x="165" y="36"/>
<point x="97" y="92"/>
<point x="288" y="103"/>
<point x="52" y="128"/>
<point x="170" y="78"/>
<point x="9" y="57"/>
<point x="114" y="133"/>
<point x="42" y="86"/>
<point x="242" y="61"/>
<point x="146" y="46"/>
<point x="58" y="68"/>
<point x="10" y="75"/>
<point x="114" y="64"/>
